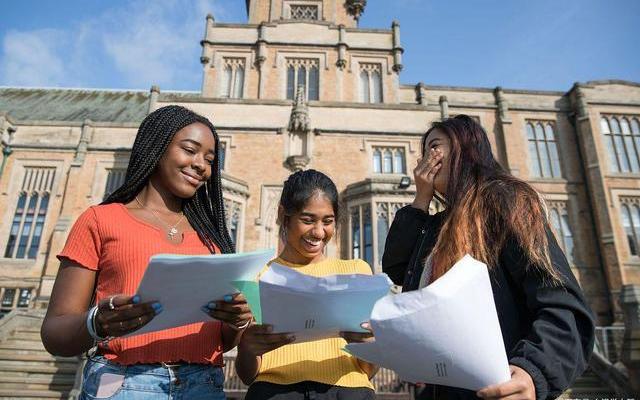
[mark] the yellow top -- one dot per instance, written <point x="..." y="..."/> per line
<point x="323" y="360"/>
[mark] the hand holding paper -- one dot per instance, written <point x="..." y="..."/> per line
<point x="310" y="307"/>
<point x="183" y="284"/>
<point x="447" y="333"/>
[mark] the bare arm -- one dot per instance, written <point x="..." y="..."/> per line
<point x="64" y="331"/>
<point x="256" y="341"/>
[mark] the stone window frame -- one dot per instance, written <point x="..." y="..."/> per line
<point x="629" y="200"/>
<point x="550" y="147"/>
<point x="226" y="140"/>
<point x="371" y="203"/>
<point x="286" y="9"/>
<point x="370" y="69"/>
<point x="357" y="59"/>
<point x="297" y="62"/>
<point x="219" y="63"/>
<point x="12" y="195"/>
<point x="621" y="141"/>
<point x="280" y="64"/>
<point x="368" y="146"/>
<point x="228" y="88"/>
<point x="561" y="207"/>
<point x="101" y="176"/>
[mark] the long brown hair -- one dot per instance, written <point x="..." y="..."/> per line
<point x="486" y="206"/>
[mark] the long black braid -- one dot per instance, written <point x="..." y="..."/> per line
<point x="205" y="210"/>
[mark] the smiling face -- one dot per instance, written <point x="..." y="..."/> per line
<point x="308" y="231"/>
<point x="438" y="140"/>
<point x="186" y="164"/>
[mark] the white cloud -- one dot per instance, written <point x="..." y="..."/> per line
<point x="144" y="42"/>
<point x="33" y="58"/>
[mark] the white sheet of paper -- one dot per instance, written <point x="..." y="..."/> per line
<point x="447" y="333"/>
<point x="183" y="284"/>
<point x="318" y="307"/>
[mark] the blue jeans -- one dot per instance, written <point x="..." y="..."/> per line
<point x="107" y="380"/>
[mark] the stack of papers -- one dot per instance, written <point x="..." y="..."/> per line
<point x="183" y="284"/>
<point x="310" y="307"/>
<point x="447" y="333"/>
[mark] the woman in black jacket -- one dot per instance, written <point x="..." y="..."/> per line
<point x="547" y="327"/>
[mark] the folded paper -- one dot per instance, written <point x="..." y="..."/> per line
<point x="313" y="307"/>
<point x="447" y="333"/>
<point x="183" y="284"/>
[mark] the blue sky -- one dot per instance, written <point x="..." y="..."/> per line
<point x="525" y="44"/>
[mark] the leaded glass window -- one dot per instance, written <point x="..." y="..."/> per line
<point x="303" y="72"/>
<point x="370" y="83"/>
<point x="630" y="214"/>
<point x="622" y="140"/>
<point x="561" y="226"/>
<point x="115" y="179"/>
<point x="543" y="150"/>
<point x="233" y="78"/>
<point x="388" y="160"/>
<point x="30" y="214"/>
<point x="304" y="11"/>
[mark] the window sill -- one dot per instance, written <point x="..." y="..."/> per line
<point x="625" y="175"/>
<point x="548" y="180"/>
<point x="17" y="262"/>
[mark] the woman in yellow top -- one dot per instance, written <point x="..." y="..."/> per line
<point x="274" y="366"/>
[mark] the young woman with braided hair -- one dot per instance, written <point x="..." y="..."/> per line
<point x="170" y="202"/>
<point x="547" y="326"/>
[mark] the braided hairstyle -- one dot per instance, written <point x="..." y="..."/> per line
<point x="205" y="210"/>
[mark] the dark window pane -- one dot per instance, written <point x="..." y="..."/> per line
<point x="15" y="226"/>
<point x="291" y="82"/>
<point x="8" y="297"/>
<point x="314" y="83"/>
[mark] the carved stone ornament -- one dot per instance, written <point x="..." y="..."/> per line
<point x="356" y="7"/>
<point x="299" y="121"/>
<point x="297" y="163"/>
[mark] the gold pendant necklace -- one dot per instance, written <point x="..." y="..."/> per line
<point x="173" y="229"/>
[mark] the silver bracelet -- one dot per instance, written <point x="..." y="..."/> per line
<point x="91" y="325"/>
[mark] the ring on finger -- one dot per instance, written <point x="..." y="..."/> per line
<point x="121" y="326"/>
<point x="111" y="305"/>
<point x="140" y="320"/>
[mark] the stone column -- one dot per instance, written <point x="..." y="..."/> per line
<point x="630" y="303"/>
<point x="444" y="107"/>
<point x="503" y="125"/>
<point x="154" y="93"/>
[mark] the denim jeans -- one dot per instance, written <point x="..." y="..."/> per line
<point x="107" y="380"/>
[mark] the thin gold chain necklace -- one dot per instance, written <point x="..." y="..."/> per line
<point x="173" y="229"/>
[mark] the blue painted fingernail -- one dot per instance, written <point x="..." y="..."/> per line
<point x="228" y="298"/>
<point x="211" y="306"/>
<point x="135" y="299"/>
<point x="157" y="307"/>
<point x="205" y="309"/>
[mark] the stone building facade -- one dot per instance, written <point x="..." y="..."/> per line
<point x="301" y="86"/>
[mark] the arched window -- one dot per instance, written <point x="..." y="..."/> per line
<point x="543" y="150"/>
<point x="305" y="73"/>
<point x="30" y="215"/>
<point x="387" y="162"/>
<point x="364" y="87"/>
<point x="560" y="223"/>
<point x="377" y="161"/>
<point x="622" y="140"/>
<point x="233" y="78"/>
<point x="314" y="83"/>
<point x="630" y="214"/>
<point x="370" y="83"/>
<point x="238" y="83"/>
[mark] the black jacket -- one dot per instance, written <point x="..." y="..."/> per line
<point x="547" y="331"/>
